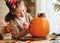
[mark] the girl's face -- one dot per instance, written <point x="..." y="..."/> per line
<point x="18" y="12"/>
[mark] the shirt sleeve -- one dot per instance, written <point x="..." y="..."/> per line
<point x="14" y="29"/>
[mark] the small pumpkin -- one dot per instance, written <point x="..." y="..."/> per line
<point x="7" y="30"/>
<point x="39" y="27"/>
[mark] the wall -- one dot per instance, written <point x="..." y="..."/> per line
<point x="40" y="6"/>
<point x="3" y="12"/>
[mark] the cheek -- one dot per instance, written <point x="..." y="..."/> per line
<point x="18" y="15"/>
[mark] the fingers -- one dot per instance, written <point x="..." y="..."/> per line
<point x="25" y="25"/>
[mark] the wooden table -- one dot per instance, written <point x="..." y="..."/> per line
<point x="7" y="41"/>
<point x="48" y="40"/>
<point x="10" y="41"/>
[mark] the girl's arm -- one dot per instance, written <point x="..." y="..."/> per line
<point x="15" y="30"/>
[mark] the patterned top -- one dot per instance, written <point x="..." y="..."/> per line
<point x="17" y="25"/>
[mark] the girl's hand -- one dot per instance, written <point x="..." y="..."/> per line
<point x="25" y="25"/>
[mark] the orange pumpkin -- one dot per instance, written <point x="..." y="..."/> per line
<point x="39" y="27"/>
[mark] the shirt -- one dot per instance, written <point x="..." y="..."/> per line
<point x="17" y="24"/>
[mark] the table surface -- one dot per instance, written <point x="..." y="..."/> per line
<point x="48" y="40"/>
<point x="42" y="41"/>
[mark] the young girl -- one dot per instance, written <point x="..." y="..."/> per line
<point x="17" y="18"/>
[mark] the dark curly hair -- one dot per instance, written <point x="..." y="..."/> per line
<point x="11" y="16"/>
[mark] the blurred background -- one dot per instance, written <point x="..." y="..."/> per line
<point x="37" y="6"/>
